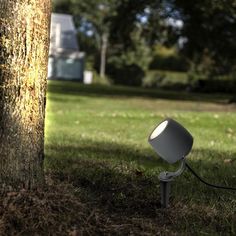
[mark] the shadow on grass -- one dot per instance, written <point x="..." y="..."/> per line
<point x="109" y="151"/>
<point x="122" y="191"/>
<point x="74" y="88"/>
<point x="113" y="188"/>
<point x="109" y="176"/>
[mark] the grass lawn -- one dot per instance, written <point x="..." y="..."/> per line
<point x="96" y="140"/>
<point x="102" y="175"/>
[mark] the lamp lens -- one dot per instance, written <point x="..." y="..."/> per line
<point x="159" y="129"/>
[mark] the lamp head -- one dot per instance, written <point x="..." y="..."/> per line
<point x="171" y="141"/>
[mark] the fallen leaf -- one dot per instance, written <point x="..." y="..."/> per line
<point x="228" y="160"/>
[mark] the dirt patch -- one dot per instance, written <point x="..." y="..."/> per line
<point x="75" y="208"/>
<point x="59" y="210"/>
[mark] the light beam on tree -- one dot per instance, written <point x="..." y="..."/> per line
<point x="24" y="40"/>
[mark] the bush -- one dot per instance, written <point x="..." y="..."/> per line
<point x="154" y="80"/>
<point x="173" y="63"/>
<point x="99" y="80"/>
<point x="214" y="86"/>
<point x="131" y="75"/>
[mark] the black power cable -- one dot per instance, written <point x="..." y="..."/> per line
<point x="203" y="181"/>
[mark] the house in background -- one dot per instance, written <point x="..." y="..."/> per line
<point x="65" y="60"/>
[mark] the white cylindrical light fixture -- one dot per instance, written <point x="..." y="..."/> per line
<point x="171" y="141"/>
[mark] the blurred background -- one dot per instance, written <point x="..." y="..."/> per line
<point x="170" y="44"/>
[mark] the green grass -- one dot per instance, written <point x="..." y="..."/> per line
<point x="96" y="141"/>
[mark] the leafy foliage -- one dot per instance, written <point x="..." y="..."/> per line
<point x="204" y="37"/>
<point x="209" y="28"/>
<point x="128" y="66"/>
<point x="101" y="17"/>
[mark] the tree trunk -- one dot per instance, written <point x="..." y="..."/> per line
<point x="104" y="44"/>
<point x="24" y="41"/>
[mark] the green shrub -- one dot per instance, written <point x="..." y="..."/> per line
<point x="154" y="79"/>
<point x="173" y="63"/>
<point x="131" y="75"/>
<point x="215" y="85"/>
<point x="165" y="79"/>
<point x="99" y="80"/>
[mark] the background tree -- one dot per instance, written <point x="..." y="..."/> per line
<point x="145" y="16"/>
<point x="135" y="30"/>
<point x="201" y="33"/>
<point x="24" y="29"/>
<point x="120" y="30"/>
<point x="209" y="34"/>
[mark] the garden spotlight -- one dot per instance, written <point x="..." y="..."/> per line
<point x="172" y="142"/>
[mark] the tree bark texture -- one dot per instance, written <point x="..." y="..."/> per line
<point x="24" y="42"/>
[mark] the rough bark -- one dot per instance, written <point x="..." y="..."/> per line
<point x="24" y="41"/>
<point x="104" y="44"/>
